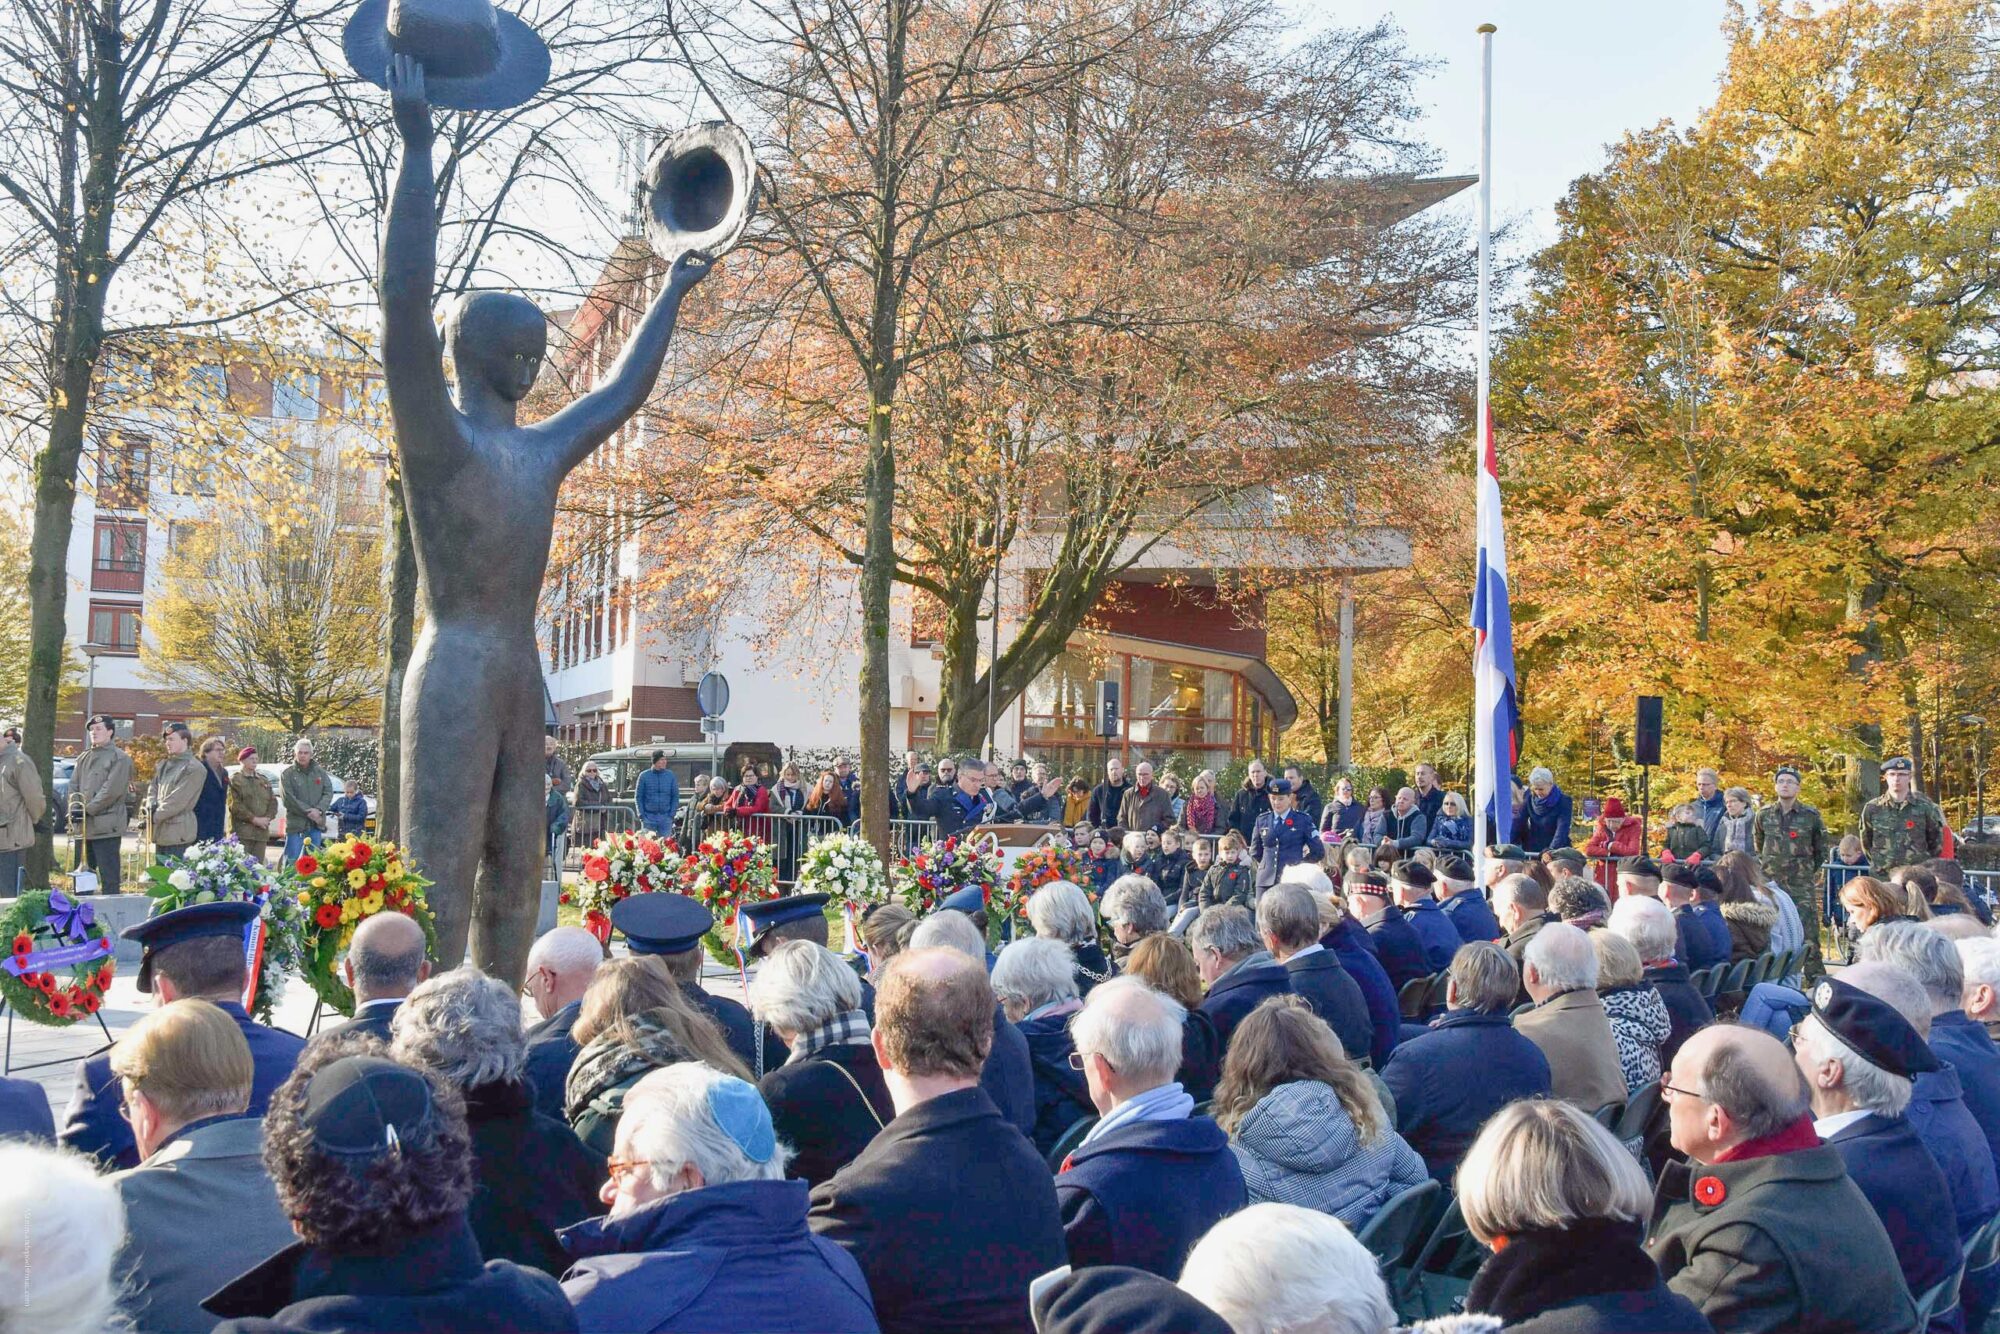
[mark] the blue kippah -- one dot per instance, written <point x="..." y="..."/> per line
<point x="739" y="1109"/>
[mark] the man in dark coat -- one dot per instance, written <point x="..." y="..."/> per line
<point x="1306" y="799"/>
<point x="1237" y="970"/>
<point x="1412" y="882"/>
<point x="1957" y="1040"/>
<point x="1703" y="934"/>
<point x="1288" y="922"/>
<point x="1397" y="944"/>
<point x="1008" y="1077"/>
<point x="193" y="951"/>
<point x="719" y="1243"/>
<point x="1251" y="801"/>
<point x="560" y="968"/>
<point x="1858" y="1056"/>
<point x="949" y="1211"/>
<point x="1761" y="1226"/>
<point x="373" y="1165"/>
<point x="1108" y="797"/>
<point x="1355" y="950"/>
<point x="1462" y="902"/>
<point x="1149" y="1178"/>
<point x="958" y="806"/>
<point x="1440" y="1102"/>
<point x="386" y="960"/>
<point x="1282" y="837"/>
<point x="24" y="1111"/>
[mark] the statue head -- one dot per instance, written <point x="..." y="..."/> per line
<point x="496" y="341"/>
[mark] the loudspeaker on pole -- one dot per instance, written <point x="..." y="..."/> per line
<point x="1646" y="731"/>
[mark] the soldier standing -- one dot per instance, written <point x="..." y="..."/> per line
<point x="1901" y="827"/>
<point x="1792" y="846"/>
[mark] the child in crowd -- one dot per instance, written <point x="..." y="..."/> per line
<point x="1687" y="837"/>
<point x="1079" y="837"/>
<point x="1101" y="864"/>
<point x="1233" y="879"/>
<point x="1133" y="854"/>
<point x="1170" y="863"/>
<point x="1189" y="886"/>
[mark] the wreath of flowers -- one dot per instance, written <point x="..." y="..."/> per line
<point x="846" y="868"/>
<point x="219" y="870"/>
<point x="728" y="869"/>
<point x="1033" y="869"/>
<point x="938" y="869"/>
<point x="618" y="866"/>
<point x="338" y="887"/>
<point x="58" y="965"/>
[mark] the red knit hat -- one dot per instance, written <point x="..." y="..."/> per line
<point x="1614" y="809"/>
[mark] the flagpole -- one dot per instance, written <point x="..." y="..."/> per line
<point x="1485" y="786"/>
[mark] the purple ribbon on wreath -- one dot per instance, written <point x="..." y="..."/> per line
<point x="71" y="920"/>
<point x="70" y="917"/>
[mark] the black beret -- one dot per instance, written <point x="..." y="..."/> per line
<point x="1644" y="867"/>
<point x="1413" y="873"/>
<point x="1784" y="769"/>
<point x="1456" y="868"/>
<point x="1112" y="1299"/>
<point x="1680" y="873"/>
<point x="1872" y="1028"/>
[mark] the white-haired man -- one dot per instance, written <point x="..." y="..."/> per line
<point x="1980" y="958"/>
<point x="1648" y="925"/>
<point x="1859" y="1058"/>
<point x="1234" y="965"/>
<point x="1149" y="1178"/>
<point x="1282" y="1267"/>
<point x="1568" y="1022"/>
<point x="1958" y="1041"/>
<point x="560" y="967"/>
<point x="704" y="1231"/>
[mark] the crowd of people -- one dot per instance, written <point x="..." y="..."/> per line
<point x="1144" y="1111"/>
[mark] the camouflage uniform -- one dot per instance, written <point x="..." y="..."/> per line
<point x="1900" y="833"/>
<point x="1792" y="846"/>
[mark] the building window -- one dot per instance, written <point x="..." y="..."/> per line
<point x="923" y="731"/>
<point x="1185" y="715"/>
<point x="295" y="395"/>
<point x="124" y="470"/>
<point x="118" y="557"/>
<point x="115" y="625"/>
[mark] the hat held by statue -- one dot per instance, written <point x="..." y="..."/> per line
<point x="476" y="57"/>
<point x="700" y="189"/>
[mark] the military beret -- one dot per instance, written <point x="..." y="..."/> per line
<point x="1568" y="856"/>
<point x="1456" y="869"/>
<point x="1414" y="874"/>
<point x="1367" y="882"/>
<point x="1112" y="1299"/>
<point x="1784" y="770"/>
<point x="1680" y="873"/>
<point x="1508" y="852"/>
<point x="1643" y="867"/>
<point x="1871" y="1028"/>
<point x="1898" y="765"/>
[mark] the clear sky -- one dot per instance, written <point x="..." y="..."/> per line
<point x="1569" y="76"/>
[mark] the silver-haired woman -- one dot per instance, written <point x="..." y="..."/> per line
<point x="1061" y="911"/>
<point x="531" y="1174"/>
<point x="828" y="1098"/>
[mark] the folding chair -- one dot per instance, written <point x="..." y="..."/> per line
<point x="1704" y="980"/>
<point x="1609" y="1115"/>
<point x="1394" y="1232"/>
<point x="1940" y="1299"/>
<point x="1639" y="1112"/>
<point x="1068" y="1140"/>
<point x="1441" y="1272"/>
<point x="1412" y="998"/>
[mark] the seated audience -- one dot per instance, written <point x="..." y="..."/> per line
<point x="1959" y="1041"/>
<point x="1166" y="965"/>
<point x="669" y="928"/>
<point x="828" y="1099"/>
<point x="1937" y="1109"/>
<point x="1396" y="942"/>
<point x="530" y="1175"/>
<point x="636" y="1017"/>
<point x="1981" y="960"/>
<point x="1288" y="922"/>
<point x="1116" y="1299"/>
<point x="1580" y="902"/>
<point x="186" y="1072"/>
<point x="1639" y="1021"/>
<point x="373" y="1165"/>
<point x="1870" y="903"/>
<point x="386" y="959"/>
<point x="193" y="952"/>
<point x="1568" y="1022"/>
<point x="1438" y="1108"/>
<point x="949" y="1211"/>
<point x="1350" y="944"/>
<point x="60" y="1228"/>
<point x="704" y="1234"/>
<point x="1744" y="888"/>
<point x="1235" y="967"/>
<point x="1304" y="1120"/>
<point x="1563" y="1207"/>
<point x="1858" y="1057"/>
<point x="24" y="1111"/>
<point x="1035" y="980"/>
<point x="1134" y="909"/>
<point x="1463" y="903"/>
<point x="1521" y="903"/>
<point x="1150" y="1177"/>
<point x="1009" y="1074"/>
<point x="560" y="967"/>
<point x="1639" y="875"/>
<point x="1761" y="1227"/>
<point x="1412" y="882"/>
<point x="1280" y="1269"/>
<point x="1649" y="925"/>
<point x="1061" y="912"/>
<point x="885" y="932"/>
<point x="1704" y="940"/>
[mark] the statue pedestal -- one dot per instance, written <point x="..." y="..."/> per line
<point x="545" y="915"/>
<point x="113" y="912"/>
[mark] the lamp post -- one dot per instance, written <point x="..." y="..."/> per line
<point x="90" y="651"/>
<point x="1978" y="724"/>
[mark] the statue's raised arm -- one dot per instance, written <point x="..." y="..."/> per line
<point x="412" y="359"/>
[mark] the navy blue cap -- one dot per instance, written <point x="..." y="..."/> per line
<point x="969" y="900"/>
<point x="661" y="923"/>
<point x="1278" y="787"/>
<point x="224" y="917"/>
<point x="1871" y="1028"/>
<point x="758" y="918"/>
<point x="360" y="1108"/>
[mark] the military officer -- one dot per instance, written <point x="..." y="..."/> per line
<point x="103" y="782"/>
<point x="1791" y="843"/>
<point x="1902" y="826"/>
<point x="1282" y="837"/>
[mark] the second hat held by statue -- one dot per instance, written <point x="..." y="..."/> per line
<point x="700" y="190"/>
<point x="475" y="57"/>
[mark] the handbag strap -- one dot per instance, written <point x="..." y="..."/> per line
<point x="848" y="1075"/>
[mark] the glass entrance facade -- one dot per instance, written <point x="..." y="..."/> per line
<point x="1198" y="717"/>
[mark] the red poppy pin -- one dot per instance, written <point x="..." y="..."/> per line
<point x="1909" y="824"/>
<point x="1710" y="1191"/>
<point x="1795" y="833"/>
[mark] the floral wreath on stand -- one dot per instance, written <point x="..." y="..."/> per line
<point x="59" y="963"/>
<point x="847" y="869"/>
<point x="618" y="866"/>
<point x="934" y="871"/>
<point x="727" y="870"/>
<point x="339" y="886"/>
<point x="1031" y="870"/>
<point x="219" y="870"/>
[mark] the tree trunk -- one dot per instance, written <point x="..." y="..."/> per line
<point x="877" y="568"/>
<point x="401" y="600"/>
<point x="1864" y="777"/>
<point x="961" y="700"/>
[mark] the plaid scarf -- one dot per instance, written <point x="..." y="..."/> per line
<point x="848" y="1027"/>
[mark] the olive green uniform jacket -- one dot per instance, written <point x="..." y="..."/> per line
<point x="21" y="800"/>
<point x="1901" y="833"/>
<point x="103" y="779"/>
<point x="176" y="788"/>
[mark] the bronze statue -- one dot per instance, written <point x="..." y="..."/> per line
<point x="481" y="491"/>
